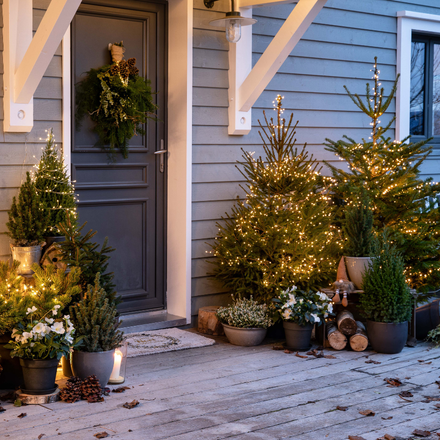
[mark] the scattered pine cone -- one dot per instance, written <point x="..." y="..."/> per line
<point x="91" y="390"/>
<point x="72" y="391"/>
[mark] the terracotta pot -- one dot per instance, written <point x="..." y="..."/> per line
<point x="67" y="369"/>
<point x="246" y="337"/>
<point x="99" y="363"/>
<point x="12" y="375"/>
<point x="356" y="267"/>
<point x="39" y="375"/>
<point x="298" y="336"/>
<point x="387" y="337"/>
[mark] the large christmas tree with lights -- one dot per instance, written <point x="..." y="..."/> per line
<point x="389" y="171"/>
<point x="281" y="234"/>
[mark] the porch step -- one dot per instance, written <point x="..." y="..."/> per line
<point x="146" y="321"/>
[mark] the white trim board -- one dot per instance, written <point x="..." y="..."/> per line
<point x="407" y="23"/>
<point x="179" y="137"/>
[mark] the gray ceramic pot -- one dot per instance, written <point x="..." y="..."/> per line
<point x="356" y="267"/>
<point x="246" y="337"/>
<point x="39" y="375"/>
<point x="100" y="364"/>
<point x="387" y="337"/>
<point x="297" y="336"/>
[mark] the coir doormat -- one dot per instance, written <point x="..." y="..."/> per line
<point x="161" y="341"/>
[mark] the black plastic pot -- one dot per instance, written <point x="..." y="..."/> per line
<point x="427" y="318"/>
<point x="276" y="331"/>
<point x="385" y="337"/>
<point x="12" y="375"/>
<point x="297" y="336"/>
<point x="39" y="375"/>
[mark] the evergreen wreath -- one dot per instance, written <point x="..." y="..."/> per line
<point x="118" y="101"/>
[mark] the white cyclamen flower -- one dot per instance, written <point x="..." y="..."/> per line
<point x="31" y="310"/>
<point x="39" y="328"/>
<point x="315" y="317"/>
<point x="286" y="314"/>
<point x="58" y="327"/>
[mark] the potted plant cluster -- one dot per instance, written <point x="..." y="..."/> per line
<point x="300" y="311"/>
<point x="95" y="319"/>
<point x="245" y="322"/>
<point x="386" y="302"/>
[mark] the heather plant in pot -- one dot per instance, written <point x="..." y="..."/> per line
<point x="245" y="322"/>
<point x="95" y="319"/>
<point x="300" y="311"/>
<point x="386" y="302"/>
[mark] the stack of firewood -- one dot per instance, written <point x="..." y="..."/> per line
<point x="346" y="330"/>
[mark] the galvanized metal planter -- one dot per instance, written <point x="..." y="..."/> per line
<point x="246" y="337"/>
<point x="27" y="256"/>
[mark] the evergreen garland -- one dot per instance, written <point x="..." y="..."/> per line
<point x="28" y="217"/>
<point x="118" y="101"/>
<point x="94" y="318"/>
<point x="53" y="186"/>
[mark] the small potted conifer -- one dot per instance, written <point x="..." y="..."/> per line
<point x="358" y="232"/>
<point x="386" y="302"/>
<point x="28" y="221"/>
<point x="95" y="319"/>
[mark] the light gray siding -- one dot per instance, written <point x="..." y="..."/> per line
<point x="20" y="151"/>
<point x="338" y="49"/>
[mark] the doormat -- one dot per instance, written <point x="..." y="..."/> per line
<point x="161" y="341"/>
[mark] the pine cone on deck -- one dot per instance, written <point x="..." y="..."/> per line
<point x="91" y="390"/>
<point x="72" y="391"/>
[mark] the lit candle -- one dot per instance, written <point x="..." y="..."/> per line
<point x="116" y="367"/>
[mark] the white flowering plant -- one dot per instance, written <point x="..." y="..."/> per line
<point x="245" y="313"/>
<point x="303" y="307"/>
<point x="50" y="337"/>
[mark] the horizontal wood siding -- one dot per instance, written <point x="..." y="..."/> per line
<point x="20" y="151"/>
<point x="338" y="49"/>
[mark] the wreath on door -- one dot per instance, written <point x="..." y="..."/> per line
<point x="117" y="100"/>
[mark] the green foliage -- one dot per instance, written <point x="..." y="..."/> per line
<point x="118" y="101"/>
<point x="358" y="226"/>
<point x="79" y="251"/>
<point x="434" y="336"/>
<point x="386" y="296"/>
<point x="303" y="307"/>
<point x="245" y="313"/>
<point x="28" y="218"/>
<point x="282" y="233"/>
<point x="53" y="186"/>
<point x="389" y="171"/>
<point x="95" y="319"/>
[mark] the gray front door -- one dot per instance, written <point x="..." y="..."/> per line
<point x="124" y="200"/>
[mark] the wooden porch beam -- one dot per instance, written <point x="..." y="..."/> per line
<point x="256" y="3"/>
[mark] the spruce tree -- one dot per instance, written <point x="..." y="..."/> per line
<point x="281" y="234"/>
<point x="28" y="217"/>
<point x="389" y="170"/>
<point x="53" y="186"/>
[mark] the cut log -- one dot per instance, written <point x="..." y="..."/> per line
<point x="335" y="338"/>
<point x="346" y="323"/>
<point x="208" y="323"/>
<point x="359" y="341"/>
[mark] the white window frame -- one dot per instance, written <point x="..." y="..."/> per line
<point x="407" y="23"/>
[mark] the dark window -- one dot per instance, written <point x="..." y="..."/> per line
<point x="425" y="86"/>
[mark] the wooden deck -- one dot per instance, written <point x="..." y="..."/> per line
<point x="224" y="391"/>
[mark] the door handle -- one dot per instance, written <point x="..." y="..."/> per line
<point x="161" y="153"/>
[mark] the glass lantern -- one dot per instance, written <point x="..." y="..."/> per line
<point x="118" y="372"/>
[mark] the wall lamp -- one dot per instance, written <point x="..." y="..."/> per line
<point x="232" y="22"/>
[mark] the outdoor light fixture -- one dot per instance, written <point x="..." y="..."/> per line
<point x="232" y="22"/>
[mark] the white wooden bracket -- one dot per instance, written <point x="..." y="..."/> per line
<point x="25" y="59"/>
<point x="246" y="83"/>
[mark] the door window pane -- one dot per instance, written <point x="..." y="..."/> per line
<point x="417" y="98"/>
<point x="436" y="92"/>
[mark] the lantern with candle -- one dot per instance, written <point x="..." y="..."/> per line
<point x="118" y="372"/>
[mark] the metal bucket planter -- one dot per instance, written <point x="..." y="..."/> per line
<point x="12" y="375"/>
<point x="297" y="336"/>
<point x="27" y="256"/>
<point x="386" y="337"/>
<point x="39" y="375"/>
<point x="99" y="363"/>
<point x="246" y="337"/>
<point x="356" y="267"/>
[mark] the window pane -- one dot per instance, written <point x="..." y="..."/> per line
<point x="417" y="100"/>
<point x="436" y="92"/>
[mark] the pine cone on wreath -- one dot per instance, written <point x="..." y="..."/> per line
<point x="72" y="391"/>
<point x="134" y="71"/>
<point x="91" y="390"/>
<point x="114" y="69"/>
<point x="124" y="69"/>
<point x="131" y="62"/>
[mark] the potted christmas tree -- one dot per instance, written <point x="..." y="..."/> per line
<point x="95" y="319"/>
<point x="55" y="190"/>
<point x="358" y="232"/>
<point x="386" y="302"/>
<point x="28" y="221"/>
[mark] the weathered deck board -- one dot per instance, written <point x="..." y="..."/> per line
<point x="257" y="393"/>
